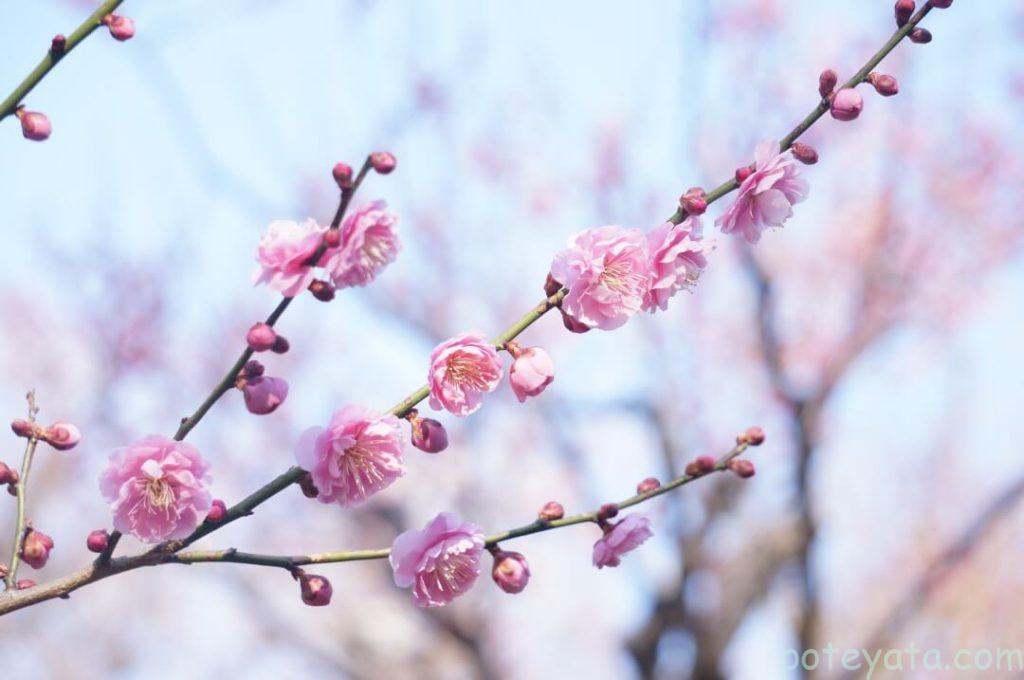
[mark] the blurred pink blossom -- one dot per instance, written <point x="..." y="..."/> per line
<point x="283" y="255"/>
<point x="440" y="562"/>
<point x="625" y="535"/>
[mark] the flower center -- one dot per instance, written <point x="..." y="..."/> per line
<point x="618" y="276"/>
<point x="159" y="493"/>
<point x="464" y="371"/>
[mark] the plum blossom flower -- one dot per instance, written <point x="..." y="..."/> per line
<point x="440" y="562"/>
<point x="767" y="194"/>
<point x="677" y="259"/>
<point x="355" y="456"/>
<point x="625" y="535"/>
<point x="462" y="370"/>
<point x="157" y="488"/>
<point x="532" y="370"/>
<point x="369" y="242"/>
<point x="283" y="255"/>
<point x="511" y="571"/>
<point x="263" y="394"/>
<point x="606" y="273"/>
<point x="35" y="548"/>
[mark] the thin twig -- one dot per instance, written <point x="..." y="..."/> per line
<point x="26" y="466"/>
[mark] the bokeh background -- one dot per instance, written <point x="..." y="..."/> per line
<point x="876" y="338"/>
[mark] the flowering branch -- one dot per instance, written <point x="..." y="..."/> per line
<point x="19" y="489"/>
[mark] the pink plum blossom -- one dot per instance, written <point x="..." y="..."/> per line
<point x="606" y="273"/>
<point x="263" y="394"/>
<point x="511" y="571"/>
<point x="462" y="370"/>
<point x="440" y="562"/>
<point x="35" y="548"/>
<point x="677" y="259"/>
<point x="369" y="242"/>
<point x="157" y="488"/>
<point x="625" y="535"/>
<point x="532" y="370"/>
<point x="766" y="195"/>
<point x="283" y="255"/>
<point x="355" y="456"/>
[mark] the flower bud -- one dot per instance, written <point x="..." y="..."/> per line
<point x="122" y="28"/>
<point x="12" y="488"/>
<point x="252" y="369"/>
<point x="307" y="486"/>
<point x="428" y="435"/>
<point x="35" y="548"/>
<point x="941" y="4"/>
<point x="919" y="35"/>
<point x="701" y="465"/>
<point x="218" y="510"/>
<point x="58" y="45"/>
<point x="551" y="286"/>
<point x="316" y="590"/>
<point x="694" y="201"/>
<point x="98" y="540"/>
<point x="743" y="173"/>
<point x="281" y="345"/>
<point x="572" y="325"/>
<point x="34" y="125"/>
<point x="607" y="511"/>
<point x="827" y="82"/>
<point x="332" y="237"/>
<point x="260" y="337"/>
<point x="321" y="290"/>
<point x="551" y="511"/>
<point x="342" y="176"/>
<point x="8" y="475"/>
<point x="742" y="467"/>
<point x="903" y="11"/>
<point x="804" y="153"/>
<point x="62" y="436"/>
<point x="753" y="436"/>
<point x="24" y="584"/>
<point x="884" y="85"/>
<point x="3" y="571"/>
<point x="510" y="571"/>
<point x="647" y="485"/>
<point x="847" y="104"/>
<point x="264" y="394"/>
<point x="23" y="428"/>
<point x="383" y="162"/>
<point x="531" y="372"/>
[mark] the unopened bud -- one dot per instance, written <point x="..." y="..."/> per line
<point x="884" y="85"/>
<point x="827" y="83"/>
<point x="218" y="511"/>
<point x="551" y="286"/>
<point x="58" y="45"/>
<point x="98" y="540"/>
<point x="647" y="485"/>
<point x="511" y="571"/>
<point x="847" y="104"/>
<point x="342" y="176"/>
<point x="743" y="173"/>
<point x="921" y="36"/>
<point x="428" y="435"/>
<point x="804" y="153"/>
<point x="24" y="584"/>
<point x="23" y="428"/>
<point x="316" y="590"/>
<point x="694" y="201"/>
<point x="742" y="467"/>
<point x="62" y="436"/>
<point x="753" y="436"/>
<point x="34" y="125"/>
<point x="321" y="290"/>
<point x="383" y="162"/>
<point x="8" y="475"/>
<point x="332" y="238"/>
<point x="281" y="345"/>
<point x="252" y="369"/>
<point x="551" y="511"/>
<point x="941" y="4"/>
<point x="903" y="11"/>
<point x="35" y="548"/>
<point x="701" y="465"/>
<point x="260" y="337"/>
<point x="122" y="28"/>
<point x="607" y="511"/>
<point x="309" y="489"/>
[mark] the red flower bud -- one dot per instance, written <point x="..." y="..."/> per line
<point x="607" y="511"/>
<point x="218" y="510"/>
<point x="383" y="162"/>
<point x="428" y="435"/>
<point x="61" y="436"/>
<point x="332" y="238"/>
<point x="316" y="590"/>
<point x="98" y="540"/>
<point x="511" y="571"/>
<point x="551" y="286"/>
<point x="827" y="82"/>
<point x="752" y="435"/>
<point x="701" y="465"/>
<point x="847" y="104"/>
<point x="122" y="28"/>
<point x="34" y="125"/>
<point x="903" y="11"/>
<point x="551" y="511"/>
<point x="884" y="85"/>
<point x="8" y="475"/>
<point x="804" y="153"/>
<point x="58" y="45"/>
<point x="35" y="548"/>
<point x="743" y="173"/>
<point x="321" y="290"/>
<point x="694" y="201"/>
<point x="309" y="489"/>
<point x="941" y="4"/>
<point x="281" y="345"/>
<point x="260" y="337"/>
<point x="742" y="467"/>
<point x="342" y="176"/>
<point x="919" y="35"/>
<point x="23" y="428"/>
<point x="649" y="484"/>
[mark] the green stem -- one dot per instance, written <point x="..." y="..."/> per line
<point x="19" y="526"/>
<point x="94" y="21"/>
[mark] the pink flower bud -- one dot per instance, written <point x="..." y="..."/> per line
<point x="551" y="286"/>
<point x="694" y="201"/>
<point x="3" y="571"/>
<point x="321" y="290"/>
<point x="316" y="590"/>
<point x="742" y="467"/>
<point x="827" y="83"/>
<point x="332" y="238"/>
<point x="804" y="153"/>
<point x="383" y="162"/>
<point x="701" y="465"/>
<point x="281" y="345"/>
<point x="7" y="475"/>
<point x="743" y="173"/>
<point x="919" y="35"/>
<point x="884" y="85"/>
<point x="35" y="548"/>
<point x="552" y="510"/>
<point x="260" y="337"/>
<point x="264" y="394"/>
<point x="98" y="540"/>
<point x="941" y="4"/>
<point x="649" y="484"/>
<point x="572" y="325"/>
<point x="903" y="11"/>
<point x="607" y="511"/>
<point x="62" y="436"/>
<point x="252" y="369"/>
<point x="12" y="488"/>
<point x="428" y="435"/>
<point x="122" y="28"/>
<point x="309" y="489"/>
<point x="754" y="436"/>
<point x="847" y="104"/>
<point x="23" y="428"/>
<point x="532" y="371"/>
<point x="58" y="45"/>
<point x="34" y="125"/>
<point x="24" y="584"/>
<point x="342" y="176"/>
<point x="510" y="571"/>
<point x="218" y="510"/>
